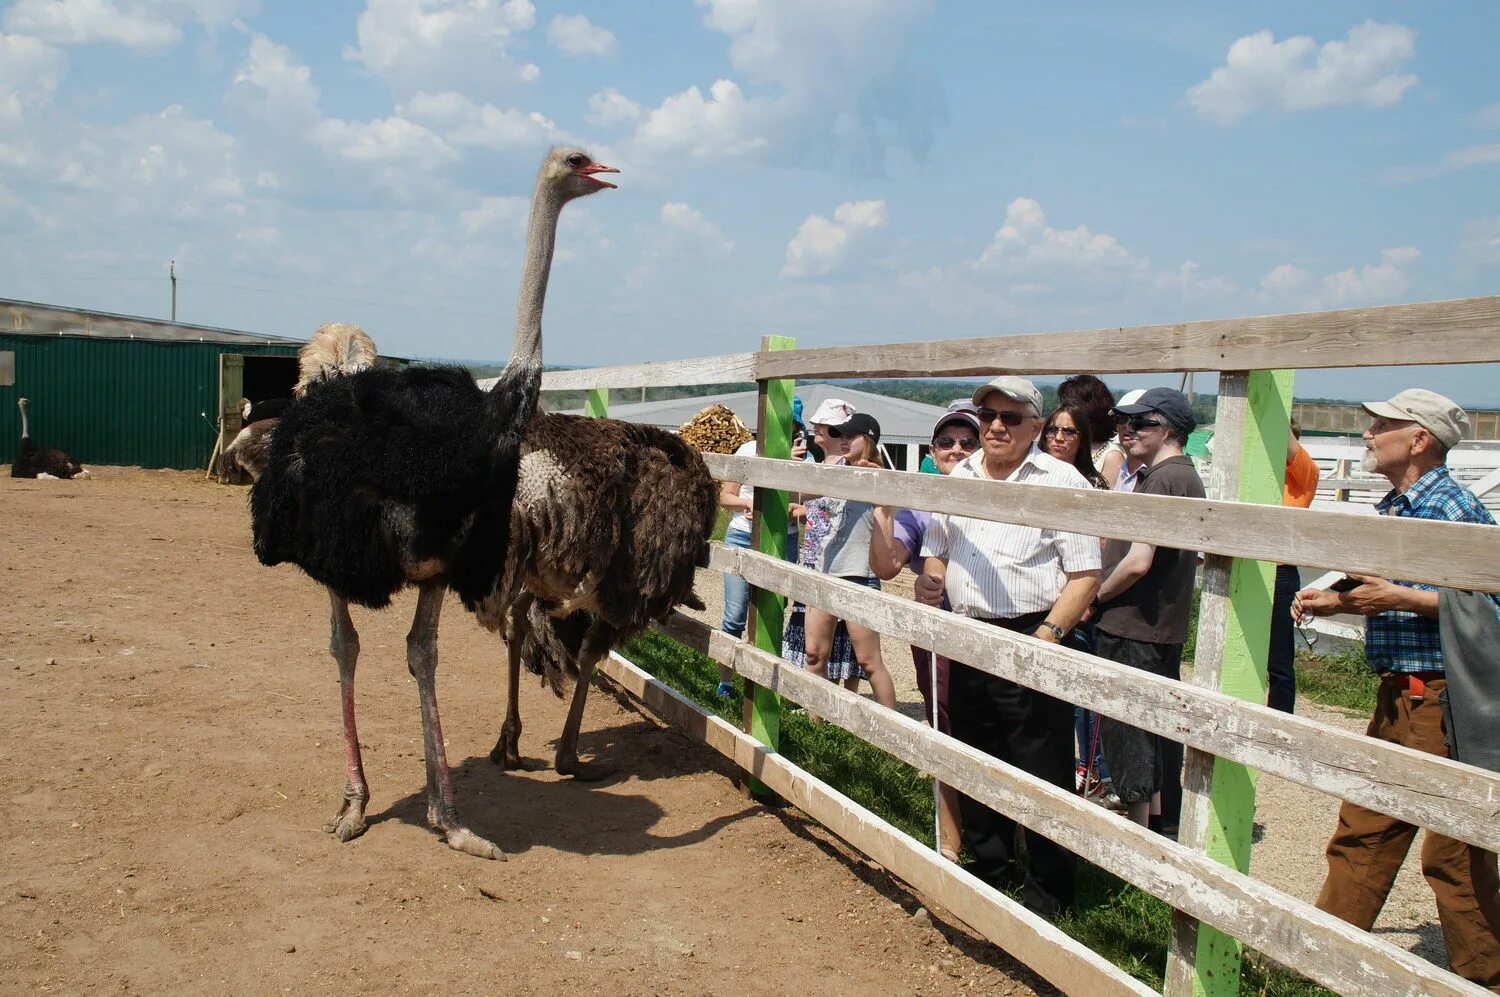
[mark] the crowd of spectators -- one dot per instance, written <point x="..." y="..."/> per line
<point x="1131" y="602"/>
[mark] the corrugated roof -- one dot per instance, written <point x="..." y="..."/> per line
<point x="901" y="421"/>
<point x="28" y="318"/>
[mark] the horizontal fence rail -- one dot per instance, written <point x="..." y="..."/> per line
<point x="1318" y="945"/>
<point x="1450" y="332"/>
<point x="727" y="369"/>
<point x="1058" y="958"/>
<point x="1458" y="800"/>
<point x="1460" y="555"/>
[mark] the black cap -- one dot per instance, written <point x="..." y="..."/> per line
<point x="1169" y="402"/>
<point x="861" y="424"/>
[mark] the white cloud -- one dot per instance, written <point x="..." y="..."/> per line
<point x="1299" y="75"/>
<point x="462" y="122"/>
<point x="575" y="35"/>
<point x="141" y="25"/>
<point x="690" y="224"/>
<point x="1481" y="242"/>
<point x="820" y="245"/>
<point x="496" y="212"/>
<point x="609" y="108"/>
<point x="1458" y="159"/>
<point x="384" y="140"/>
<point x="836" y="89"/>
<point x="1027" y="240"/>
<point x="437" y="45"/>
<point x="30" y="71"/>
<point x="274" y="82"/>
<point x="681" y="232"/>
<point x="1374" y="282"/>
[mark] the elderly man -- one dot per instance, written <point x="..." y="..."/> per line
<point x="1408" y="444"/>
<point x="1032" y="581"/>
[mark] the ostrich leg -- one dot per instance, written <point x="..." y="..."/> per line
<point x="343" y="644"/>
<point x="507" y="750"/>
<point x="421" y="659"/>
<point x="596" y="644"/>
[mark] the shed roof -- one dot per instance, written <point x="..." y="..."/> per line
<point x="28" y="318"/>
<point x="901" y="421"/>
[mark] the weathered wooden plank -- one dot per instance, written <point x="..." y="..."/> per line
<point x="1460" y="555"/>
<point x="1461" y="331"/>
<point x="1294" y="933"/>
<point x="1064" y="962"/>
<point x="727" y="369"/>
<point x="1455" y="799"/>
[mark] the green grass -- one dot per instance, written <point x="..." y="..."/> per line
<point x="1342" y="680"/>
<point x="1126" y="925"/>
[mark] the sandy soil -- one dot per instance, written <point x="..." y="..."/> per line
<point x="171" y="750"/>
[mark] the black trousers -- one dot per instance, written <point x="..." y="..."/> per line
<point x="1281" y="676"/>
<point x="1034" y="733"/>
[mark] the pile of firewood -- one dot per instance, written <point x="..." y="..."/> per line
<point x="716" y="429"/>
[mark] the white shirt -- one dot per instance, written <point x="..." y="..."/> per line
<point x="1127" y="479"/>
<point x="1002" y="570"/>
<point x="741" y="519"/>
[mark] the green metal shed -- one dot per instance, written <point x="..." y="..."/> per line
<point x="117" y="389"/>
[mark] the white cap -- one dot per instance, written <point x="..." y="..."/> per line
<point x="833" y="412"/>
<point x="1131" y="397"/>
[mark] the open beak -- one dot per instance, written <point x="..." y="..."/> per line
<point x="589" y="171"/>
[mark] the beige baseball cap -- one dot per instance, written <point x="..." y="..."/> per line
<point x="1015" y="388"/>
<point x="1438" y="415"/>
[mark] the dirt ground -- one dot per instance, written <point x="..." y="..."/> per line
<point x="172" y="748"/>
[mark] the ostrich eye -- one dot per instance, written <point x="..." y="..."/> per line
<point x="577" y="159"/>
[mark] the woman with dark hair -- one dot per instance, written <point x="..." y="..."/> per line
<point x="1068" y="436"/>
<point x="1092" y="396"/>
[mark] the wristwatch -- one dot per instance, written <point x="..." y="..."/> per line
<point x="1057" y="631"/>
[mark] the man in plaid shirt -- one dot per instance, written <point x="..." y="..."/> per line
<point x="1408" y="443"/>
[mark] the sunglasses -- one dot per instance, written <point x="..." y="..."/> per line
<point x="1009" y="418"/>
<point x="1139" y="423"/>
<point x="1066" y="432"/>
<point x="964" y="443"/>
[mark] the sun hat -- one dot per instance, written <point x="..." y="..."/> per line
<point x="1015" y="388"/>
<point x="1440" y="416"/>
<point x="832" y="412"/>
<point x="959" y="411"/>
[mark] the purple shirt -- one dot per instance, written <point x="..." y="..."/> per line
<point x="907" y="530"/>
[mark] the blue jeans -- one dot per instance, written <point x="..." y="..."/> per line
<point x="737" y="590"/>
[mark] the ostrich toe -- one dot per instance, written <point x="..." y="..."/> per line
<point x="349" y="822"/>
<point x="507" y="750"/>
<point x="464" y="840"/>
<point x="585" y="771"/>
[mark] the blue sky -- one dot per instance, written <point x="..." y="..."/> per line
<point x="852" y="171"/>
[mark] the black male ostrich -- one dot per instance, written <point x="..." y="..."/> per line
<point x="380" y="478"/>
<point x="46" y="462"/>
<point x="609" y="521"/>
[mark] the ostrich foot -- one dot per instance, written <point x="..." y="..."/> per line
<point x="584" y="771"/>
<point x="507" y="751"/>
<point x="349" y="822"/>
<point x="464" y="840"/>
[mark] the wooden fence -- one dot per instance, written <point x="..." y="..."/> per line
<point x="1216" y="712"/>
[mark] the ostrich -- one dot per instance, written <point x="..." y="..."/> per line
<point x="44" y="463"/>
<point x="609" y="521"/>
<point x="379" y="479"/>
<point x="250" y="448"/>
<point x="336" y="348"/>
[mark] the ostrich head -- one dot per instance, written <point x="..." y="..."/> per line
<point x="571" y="173"/>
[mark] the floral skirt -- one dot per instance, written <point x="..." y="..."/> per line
<point x="841" y="661"/>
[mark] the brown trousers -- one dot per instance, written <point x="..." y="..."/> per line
<point x="1368" y="848"/>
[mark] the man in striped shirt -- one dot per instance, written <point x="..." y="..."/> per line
<point x="1032" y="581"/>
<point x="1408" y="443"/>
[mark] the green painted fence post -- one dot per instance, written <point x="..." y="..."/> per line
<point x="762" y="714"/>
<point x="597" y="406"/>
<point x="1234" y="619"/>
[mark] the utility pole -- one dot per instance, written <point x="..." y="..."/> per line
<point x="173" y="272"/>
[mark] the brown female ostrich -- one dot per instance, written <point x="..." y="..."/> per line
<point x="250" y="449"/>
<point x="609" y="521"/>
<point x="32" y="462"/>
<point x="379" y="479"/>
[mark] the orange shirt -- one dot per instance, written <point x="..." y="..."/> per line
<point x="1301" y="480"/>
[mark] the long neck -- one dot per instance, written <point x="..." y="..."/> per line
<point x="25" y="429"/>
<point x="541" y="236"/>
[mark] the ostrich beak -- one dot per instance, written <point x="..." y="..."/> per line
<point x="588" y="173"/>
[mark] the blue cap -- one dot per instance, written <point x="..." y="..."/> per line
<point x="797" y="409"/>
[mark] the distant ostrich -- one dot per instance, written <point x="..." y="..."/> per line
<point x="250" y="449"/>
<point x="335" y="348"/>
<point x="32" y="462"/>
<point x="609" y="522"/>
<point x="380" y="478"/>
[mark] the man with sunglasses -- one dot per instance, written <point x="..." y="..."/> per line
<point x="1407" y="643"/>
<point x="1032" y="581"/>
<point x="1144" y="602"/>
